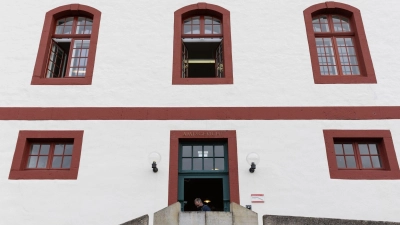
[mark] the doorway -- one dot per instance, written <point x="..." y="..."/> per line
<point x="204" y="174"/>
<point x="209" y="190"/>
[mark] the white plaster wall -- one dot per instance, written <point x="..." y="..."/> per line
<point x="271" y="61"/>
<point x="116" y="182"/>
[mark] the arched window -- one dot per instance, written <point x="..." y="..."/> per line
<point x="338" y="47"/>
<point x="68" y="45"/>
<point x="202" y="45"/>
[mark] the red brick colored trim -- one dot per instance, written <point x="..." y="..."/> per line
<point x="202" y="8"/>
<point x="43" y="51"/>
<point x="201" y="113"/>
<point x="391" y="167"/>
<point x="229" y="135"/>
<point x="366" y="66"/>
<point x="18" y="171"/>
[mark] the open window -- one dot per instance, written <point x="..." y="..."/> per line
<point x="202" y="45"/>
<point x="68" y="45"/>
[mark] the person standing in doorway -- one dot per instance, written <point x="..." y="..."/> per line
<point x="200" y="206"/>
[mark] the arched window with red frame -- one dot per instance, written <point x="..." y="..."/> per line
<point x="202" y="45"/>
<point x="338" y="47"/>
<point x="68" y="45"/>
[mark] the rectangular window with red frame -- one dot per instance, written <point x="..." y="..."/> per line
<point x="361" y="154"/>
<point x="39" y="152"/>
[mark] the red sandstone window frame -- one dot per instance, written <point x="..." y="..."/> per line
<point x="26" y="137"/>
<point x="360" y="41"/>
<point x="200" y="135"/>
<point x="390" y="168"/>
<point x="51" y="17"/>
<point x="201" y="9"/>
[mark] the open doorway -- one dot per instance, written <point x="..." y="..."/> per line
<point x="209" y="190"/>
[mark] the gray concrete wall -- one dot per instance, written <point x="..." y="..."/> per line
<point x="243" y="216"/>
<point x="192" y="218"/>
<point x="143" y="220"/>
<point x="168" y="215"/>
<point x="219" y="218"/>
<point x="292" y="220"/>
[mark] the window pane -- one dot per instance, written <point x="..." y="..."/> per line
<point x="32" y="162"/>
<point x="340" y="41"/>
<point x="76" y="53"/>
<point x="187" y="29"/>
<point x="35" y="149"/>
<point x="219" y="151"/>
<point x="372" y="149"/>
<point x="197" y="163"/>
<point x="351" y="162"/>
<point x="68" y="149"/>
<point x="348" y="149"/>
<point x="187" y="164"/>
<point x="219" y="164"/>
<point x="81" y="72"/>
<point x="207" y="20"/>
<point x="317" y="27"/>
<point x="208" y="151"/>
<point x="59" y="149"/>
<point x="84" y="52"/>
<point x="74" y="61"/>
<point x="56" y="162"/>
<point x="208" y="29"/>
<point x="208" y="164"/>
<point x="83" y="62"/>
<point x="88" y="30"/>
<point x="366" y="162"/>
<point x="340" y="162"/>
<point x="338" y="149"/>
<point x="69" y="20"/>
<point x="66" y="162"/>
<point x="363" y="149"/>
<point x="59" y="29"/>
<point x="197" y="151"/>
<point x="355" y="70"/>
<point x="324" y="28"/>
<point x="42" y="162"/>
<point x="376" y="162"/>
<point x="216" y="21"/>
<point x="196" y="20"/>
<point x="81" y="20"/>
<point x="216" y="29"/>
<point x="80" y="29"/>
<point x="85" y="43"/>
<point x="44" y="149"/>
<point x="186" y="151"/>
<point x="346" y="70"/>
<point x="196" y="29"/>
<point x="67" y="30"/>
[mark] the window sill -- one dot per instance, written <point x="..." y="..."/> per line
<point x="62" y="81"/>
<point x="195" y="81"/>
<point x="365" y="174"/>
<point x="71" y="174"/>
<point x="348" y="79"/>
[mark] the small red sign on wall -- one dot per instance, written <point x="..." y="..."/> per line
<point x="257" y="198"/>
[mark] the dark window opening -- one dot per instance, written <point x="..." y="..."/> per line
<point x="202" y="58"/>
<point x="210" y="191"/>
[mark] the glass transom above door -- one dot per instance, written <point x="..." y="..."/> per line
<point x="203" y="157"/>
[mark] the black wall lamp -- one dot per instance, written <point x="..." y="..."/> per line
<point x="252" y="159"/>
<point x="154" y="158"/>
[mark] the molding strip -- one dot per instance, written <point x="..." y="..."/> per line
<point x="200" y="113"/>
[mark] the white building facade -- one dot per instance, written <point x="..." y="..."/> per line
<point x="326" y="128"/>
